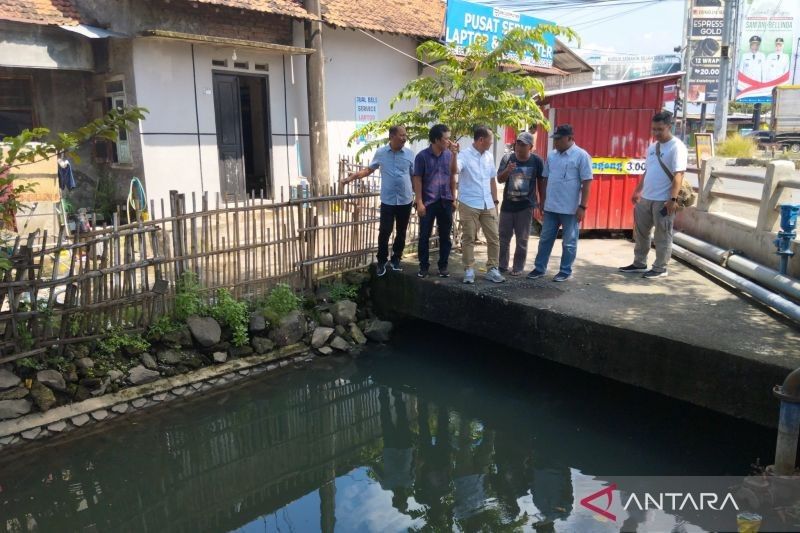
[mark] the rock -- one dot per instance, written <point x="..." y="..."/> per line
<point x="91" y="383"/>
<point x="262" y="345"/>
<point x="379" y="331"/>
<point x="132" y="351"/>
<point x="8" y="380"/>
<point x="100" y="414"/>
<point x="77" y="351"/>
<point x="57" y="427"/>
<point x="320" y="337"/>
<point x="84" y="364"/>
<point x="289" y="330"/>
<point x="357" y="334"/>
<point x="258" y="324"/>
<point x="42" y="396"/>
<point x="71" y="376"/>
<point x="341" y="331"/>
<point x="325" y="350"/>
<point x="205" y="330"/>
<point x="240" y="351"/>
<point x="14" y="408"/>
<point x="80" y="420"/>
<point x="340" y="344"/>
<point x="326" y="320"/>
<point x="115" y="375"/>
<point x="356" y="277"/>
<point x="344" y="312"/>
<point x="220" y="357"/>
<point x="181" y="337"/>
<point x="170" y="357"/>
<point x="82" y="393"/>
<point x="52" y="379"/>
<point x="17" y="393"/>
<point x="148" y="361"/>
<point x="194" y="362"/>
<point x="140" y="375"/>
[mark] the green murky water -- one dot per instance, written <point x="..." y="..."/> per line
<point x="437" y="432"/>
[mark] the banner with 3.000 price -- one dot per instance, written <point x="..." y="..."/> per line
<point x="617" y="165"/>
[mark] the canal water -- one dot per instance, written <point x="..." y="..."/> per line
<point x="436" y="432"/>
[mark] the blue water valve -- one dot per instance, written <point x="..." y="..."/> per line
<point x="787" y="234"/>
<point x="789" y="214"/>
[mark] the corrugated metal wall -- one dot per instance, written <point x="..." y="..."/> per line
<point x="609" y="122"/>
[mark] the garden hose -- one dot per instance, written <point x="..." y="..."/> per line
<point x="137" y="200"/>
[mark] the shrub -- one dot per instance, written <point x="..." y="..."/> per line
<point x="343" y="291"/>
<point x="188" y="300"/>
<point x="163" y="326"/>
<point x="116" y="340"/>
<point x="737" y="146"/>
<point x="233" y="314"/>
<point x="281" y="301"/>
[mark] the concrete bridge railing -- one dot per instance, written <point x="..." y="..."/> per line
<point x="710" y="219"/>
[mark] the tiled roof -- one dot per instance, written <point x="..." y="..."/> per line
<point x="289" y="8"/>
<point x="418" y="18"/>
<point x="54" y="12"/>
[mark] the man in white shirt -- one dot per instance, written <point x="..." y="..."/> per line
<point x="655" y="198"/>
<point x="477" y="205"/>
<point x="777" y="62"/>
<point x="752" y="62"/>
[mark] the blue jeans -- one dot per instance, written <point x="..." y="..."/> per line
<point x="441" y="211"/>
<point x="550" y="226"/>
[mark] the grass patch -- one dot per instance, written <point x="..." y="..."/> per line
<point x="737" y="146"/>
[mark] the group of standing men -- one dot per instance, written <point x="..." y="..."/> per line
<point x="442" y="178"/>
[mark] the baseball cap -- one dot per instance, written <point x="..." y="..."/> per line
<point x="564" y="130"/>
<point x="526" y="138"/>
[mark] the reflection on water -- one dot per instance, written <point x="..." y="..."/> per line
<point x="434" y="433"/>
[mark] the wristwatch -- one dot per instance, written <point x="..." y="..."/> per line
<point x="496" y="202"/>
<point x="582" y="207"/>
<point x="673" y="200"/>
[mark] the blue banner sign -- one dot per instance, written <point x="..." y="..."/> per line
<point x="466" y="21"/>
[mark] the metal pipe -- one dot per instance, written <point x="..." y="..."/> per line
<point x="758" y="292"/>
<point x="766" y="276"/>
<point x="788" y="424"/>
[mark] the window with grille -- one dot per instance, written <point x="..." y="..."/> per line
<point x="16" y="106"/>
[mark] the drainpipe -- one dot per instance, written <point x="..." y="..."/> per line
<point x="788" y="424"/>
<point x="317" y="114"/>
<point x="787" y="234"/>
<point x="728" y="258"/>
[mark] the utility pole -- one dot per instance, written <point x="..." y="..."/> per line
<point x="721" y="108"/>
<point x="317" y="114"/>
<point x="687" y="58"/>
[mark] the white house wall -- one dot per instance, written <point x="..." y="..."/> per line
<point x="357" y="65"/>
<point x="165" y="85"/>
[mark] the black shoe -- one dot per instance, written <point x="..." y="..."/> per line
<point x="502" y="270"/>
<point x="423" y="273"/>
<point x="444" y="273"/>
<point x="561" y="277"/>
<point x="653" y="274"/>
<point x="395" y="265"/>
<point x="534" y="274"/>
<point x="380" y="269"/>
<point x="633" y="269"/>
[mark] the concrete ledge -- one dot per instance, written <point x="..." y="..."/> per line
<point x="688" y="339"/>
<point x="95" y="410"/>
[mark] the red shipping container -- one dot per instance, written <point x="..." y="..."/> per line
<point x="611" y="121"/>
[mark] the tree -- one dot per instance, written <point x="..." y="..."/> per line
<point x="38" y="144"/>
<point x="481" y="87"/>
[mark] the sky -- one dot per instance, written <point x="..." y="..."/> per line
<point x="641" y="29"/>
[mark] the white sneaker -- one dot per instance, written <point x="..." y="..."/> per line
<point x="495" y="276"/>
<point x="469" y="275"/>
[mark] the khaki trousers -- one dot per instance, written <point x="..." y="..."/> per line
<point x="647" y="215"/>
<point x="471" y="220"/>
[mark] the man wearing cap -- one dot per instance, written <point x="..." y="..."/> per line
<point x="567" y="178"/>
<point x="777" y="62"/>
<point x="519" y="170"/>
<point x="752" y="62"/>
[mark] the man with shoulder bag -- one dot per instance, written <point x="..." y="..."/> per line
<point x="658" y="197"/>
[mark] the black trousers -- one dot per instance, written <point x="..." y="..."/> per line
<point x="393" y="217"/>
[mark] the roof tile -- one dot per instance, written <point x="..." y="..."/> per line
<point x="418" y="18"/>
<point x="289" y="8"/>
<point x="51" y="12"/>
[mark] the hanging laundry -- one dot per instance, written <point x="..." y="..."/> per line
<point x="66" y="180"/>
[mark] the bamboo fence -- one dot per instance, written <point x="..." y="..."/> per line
<point x="75" y="288"/>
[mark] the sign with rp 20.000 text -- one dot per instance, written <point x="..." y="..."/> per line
<point x="467" y="21"/>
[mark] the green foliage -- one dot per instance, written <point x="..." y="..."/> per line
<point x="233" y="314"/>
<point x="116" y="340"/>
<point x="34" y="363"/>
<point x="737" y="146"/>
<point x="343" y="291"/>
<point x="280" y="302"/>
<point x="105" y="362"/>
<point x="58" y="362"/>
<point x="105" y="197"/>
<point x="163" y="326"/>
<point x="74" y="324"/>
<point x="24" y="336"/>
<point x="481" y="87"/>
<point x="188" y="299"/>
